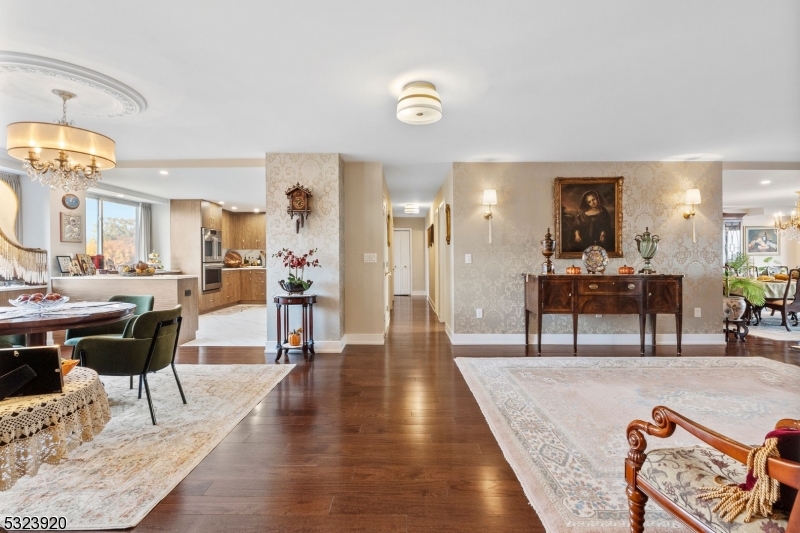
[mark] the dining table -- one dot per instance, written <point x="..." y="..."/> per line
<point x="35" y="323"/>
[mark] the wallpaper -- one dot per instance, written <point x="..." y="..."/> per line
<point x="323" y="175"/>
<point x="653" y="194"/>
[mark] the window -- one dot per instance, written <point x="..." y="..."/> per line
<point x="111" y="229"/>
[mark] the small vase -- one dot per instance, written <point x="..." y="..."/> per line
<point x="293" y="288"/>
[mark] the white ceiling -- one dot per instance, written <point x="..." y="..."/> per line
<point x="520" y="80"/>
<point x="743" y="190"/>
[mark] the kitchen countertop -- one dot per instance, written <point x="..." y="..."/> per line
<point x="23" y="288"/>
<point x="126" y="278"/>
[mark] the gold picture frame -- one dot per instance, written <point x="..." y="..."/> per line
<point x="588" y="211"/>
<point x="71" y="228"/>
<point x="447" y="219"/>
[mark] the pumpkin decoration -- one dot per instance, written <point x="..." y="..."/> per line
<point x="573" y="270"/>
<point x="625" y="269"/>
<point x="294" y="338"/>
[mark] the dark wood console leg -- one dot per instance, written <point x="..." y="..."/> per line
<point x="539" y="333"/>
<point x="278" y="332"/>
<point x="575" y="334"/>
<point x="642" y="323"/>
<point x="678" y="330"/>
<point x="653" y="325"/>
<point x="527" y="323"/>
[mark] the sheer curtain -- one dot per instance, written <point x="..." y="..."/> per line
<point x="145" y="230"/>
<point x="13" y="182"/>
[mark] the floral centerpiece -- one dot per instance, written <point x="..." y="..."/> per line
<point x="297" y="265"/>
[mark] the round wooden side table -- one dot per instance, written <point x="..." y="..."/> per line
<point x="282" y="303"/>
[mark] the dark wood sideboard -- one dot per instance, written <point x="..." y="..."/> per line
<point x="635" y="294"/>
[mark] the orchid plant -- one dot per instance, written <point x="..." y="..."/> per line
<point x="297" y="264"/>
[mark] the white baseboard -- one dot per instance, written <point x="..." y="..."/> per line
<point x="600" y="339"/>
<point x="364" y="338"/>
<point x="419" y="293"/>
<point x="433" y="306"/>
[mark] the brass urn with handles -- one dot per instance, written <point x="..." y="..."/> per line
<point x="548" y="249"/>
<point x="647" y="245"/>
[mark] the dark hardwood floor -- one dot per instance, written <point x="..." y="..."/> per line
<point x="377" y="438"/>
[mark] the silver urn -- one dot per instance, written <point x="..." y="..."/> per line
<point x="647" y="245"/>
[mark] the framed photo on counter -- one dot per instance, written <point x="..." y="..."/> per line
<point x="64" y="262"/>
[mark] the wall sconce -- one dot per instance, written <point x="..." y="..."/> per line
<point x="490" y="199"/>
<point x="692" y="198"/>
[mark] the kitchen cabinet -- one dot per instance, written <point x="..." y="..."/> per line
<point x="210" y="215"/>
<point x="210" y="300"/>
<point x="231" y="286"/>
<point x="253" y="286"/>
<point x="228" y="220"/>
<point x="248" y="231"/>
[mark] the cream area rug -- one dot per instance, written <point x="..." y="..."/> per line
<point x="561" y="422"/>
<point x="115" y="480"/>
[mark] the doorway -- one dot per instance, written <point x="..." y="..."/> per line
<point x="402" y="262"/>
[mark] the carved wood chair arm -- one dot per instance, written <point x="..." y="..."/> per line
<point x="787" y="472"/>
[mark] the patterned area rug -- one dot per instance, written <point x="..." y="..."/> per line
<point x="115" y="480"/>
<point x="561" y="422"/>
<point x="770" y="328"/>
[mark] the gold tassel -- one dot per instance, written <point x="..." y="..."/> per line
<point x="756" y="502"/>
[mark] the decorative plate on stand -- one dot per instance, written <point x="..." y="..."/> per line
<point x="595" y="258"/>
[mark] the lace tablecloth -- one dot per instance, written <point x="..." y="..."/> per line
<point x="42" y="429"/>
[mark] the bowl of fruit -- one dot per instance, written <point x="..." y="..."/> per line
<point x="39" y="302"/>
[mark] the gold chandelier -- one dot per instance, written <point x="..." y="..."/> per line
<point x="60" y="155"/>
<point x="791" y="226"/>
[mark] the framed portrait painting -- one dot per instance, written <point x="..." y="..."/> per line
<point x="588" y="211"/>
<point x="761" y="240"/>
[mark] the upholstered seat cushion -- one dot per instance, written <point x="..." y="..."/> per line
<point x="678" y="473"/>
<point x="74" y="340"/>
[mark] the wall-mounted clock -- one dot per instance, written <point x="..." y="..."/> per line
<point x="299" y="204"/>
<point x="71" y="201"/>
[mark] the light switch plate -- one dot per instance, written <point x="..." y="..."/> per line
<point x="478" y="313"/>
<point x="370" y="258"/>
<point x="468" y="258"/>
<point x="697" y="312"/>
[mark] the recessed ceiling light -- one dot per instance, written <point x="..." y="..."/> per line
<point x="163" y="172"/>
<point x="234" y="208"/>
<point x="221" y="202"/>
<point x="765" y="182"/>
<point x="120" y="196"/>
<point x="419" y="103"/>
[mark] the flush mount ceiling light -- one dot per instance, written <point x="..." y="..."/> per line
<point x="412" y="208"/>
<point x="419" y="103"/>
<point x="60" y="155"/>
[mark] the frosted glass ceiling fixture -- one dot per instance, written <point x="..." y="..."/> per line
<point x="412" y="208"/>
<point x="60" y="155"/>
<point x="419" y="103"/>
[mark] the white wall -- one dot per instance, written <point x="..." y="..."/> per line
<point x="35" y="214"/>
<point x="56" y="247"/>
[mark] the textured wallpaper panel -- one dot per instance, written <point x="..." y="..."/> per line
<point x="653" y="196"/>
<point x="323" y="175"/>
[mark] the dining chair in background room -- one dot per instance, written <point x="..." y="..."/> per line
<point x="789" y="304"/>
<point x="149" y="347"/>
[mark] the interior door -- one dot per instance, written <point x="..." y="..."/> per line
<point x="402" y="262"/>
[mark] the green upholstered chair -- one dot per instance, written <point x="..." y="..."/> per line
<point x="12" y="341"/>
<point x="114" y="329"/>
<point x="150" y="347"/>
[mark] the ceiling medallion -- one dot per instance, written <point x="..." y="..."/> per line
<point x="60" y="155"/>
<point x="30" y="78"/>
<point x="419" y="103"/>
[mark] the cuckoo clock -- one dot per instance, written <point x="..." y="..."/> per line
<point x="299" y="204"/>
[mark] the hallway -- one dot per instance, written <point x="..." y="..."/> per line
<point x="377" y="438"/>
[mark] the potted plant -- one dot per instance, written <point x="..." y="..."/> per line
<point x="297" y="265"/>
<point x="734" y="305"/>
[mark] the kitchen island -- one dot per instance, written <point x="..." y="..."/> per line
<point x="168" y="291"/>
